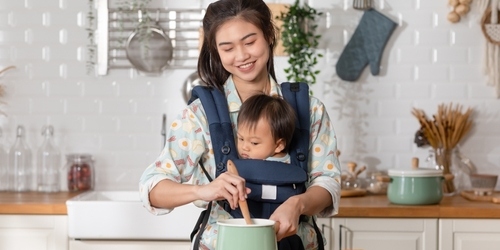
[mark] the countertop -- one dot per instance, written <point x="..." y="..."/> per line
<point x="377" y="206"/>
<point x="34" y="202"/>
<point x="370" y="206"/>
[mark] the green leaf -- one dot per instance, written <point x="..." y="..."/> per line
<point x="300" y="42"/>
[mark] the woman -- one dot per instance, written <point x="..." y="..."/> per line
<point x="236" y="57"/>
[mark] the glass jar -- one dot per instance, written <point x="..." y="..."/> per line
<point x="376" y="184"/>
<point x="80" y="172"/>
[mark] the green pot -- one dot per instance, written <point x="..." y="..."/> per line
<point x="236" y="234"/>
<point x="415" y="187"/>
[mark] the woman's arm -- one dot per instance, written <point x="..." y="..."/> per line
<point x="168" y="194"/>
<point x="180" y="194"/>
<point x="163" y="184"/>
<point x="323" y="191"/>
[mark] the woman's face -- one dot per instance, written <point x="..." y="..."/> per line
<point x="243" y="51"/>
<point x="257" y="142"/>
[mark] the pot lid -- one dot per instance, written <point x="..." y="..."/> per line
<point x="415" y="172"/>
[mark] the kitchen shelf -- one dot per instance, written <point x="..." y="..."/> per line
<point x="115" y="25"/>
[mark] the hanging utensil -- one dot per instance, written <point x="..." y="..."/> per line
<point x="191" y="81"/>
<point x="362" y="4"/>
<point x="149" y="49"/>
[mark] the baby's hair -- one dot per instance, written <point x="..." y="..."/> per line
<point x="274" y="110"/>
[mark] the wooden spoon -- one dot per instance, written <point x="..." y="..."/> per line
<point x="242" y="203"/>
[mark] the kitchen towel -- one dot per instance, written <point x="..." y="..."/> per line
<point x="365" y="46"/>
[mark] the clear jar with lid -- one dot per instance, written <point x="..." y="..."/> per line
<point x="80" y="172"/>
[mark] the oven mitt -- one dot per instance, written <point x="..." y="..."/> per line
<point x="366" y="46"/>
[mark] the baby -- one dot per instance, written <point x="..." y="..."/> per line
<point x="265" y="128"/>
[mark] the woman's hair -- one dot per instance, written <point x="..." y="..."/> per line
<point x="210" y="68"/>
<point x="274" y="110"/>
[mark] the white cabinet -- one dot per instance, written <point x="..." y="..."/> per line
<point x="128" y="245"/>
<point x="384" y="234"/>
<point x="469" y="234"/>
<point x="34" y="232"/>
<point x="325" y="225"/>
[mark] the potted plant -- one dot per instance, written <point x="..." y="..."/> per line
<point x="298" y="34"/>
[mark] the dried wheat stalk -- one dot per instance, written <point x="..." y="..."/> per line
<point x="445" y="131"/>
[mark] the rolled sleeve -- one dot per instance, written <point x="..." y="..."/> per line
<point x="333" y="188"/>
<point x="324" y="165"/>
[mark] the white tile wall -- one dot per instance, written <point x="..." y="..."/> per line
<point x="117" y="117"/>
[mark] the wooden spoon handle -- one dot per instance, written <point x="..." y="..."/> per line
<point x="243" y="204"/>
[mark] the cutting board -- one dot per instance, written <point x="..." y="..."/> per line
<point x="469" y="195"/>
<point x="352" y="192"/>
<point x="276" y="10"/>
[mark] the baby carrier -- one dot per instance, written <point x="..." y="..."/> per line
<point x="271" y="182"/>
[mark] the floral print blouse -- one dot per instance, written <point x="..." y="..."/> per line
<point x="188" y="141"/>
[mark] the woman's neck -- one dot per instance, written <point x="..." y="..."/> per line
<point x="248" y="89"/>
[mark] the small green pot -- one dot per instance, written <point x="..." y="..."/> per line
<point x="236" y="234"/>
<point x="415" y="187"/>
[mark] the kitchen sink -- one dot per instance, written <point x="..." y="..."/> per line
<point x="120" y="215"/>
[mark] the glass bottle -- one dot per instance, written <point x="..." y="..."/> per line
<point x="80" y="172"/>
<point x="21" y="170"/>
<point x="4" y="166"/>
<point x="48" y="162"/>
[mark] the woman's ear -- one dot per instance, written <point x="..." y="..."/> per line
<point x="280" y="146"/>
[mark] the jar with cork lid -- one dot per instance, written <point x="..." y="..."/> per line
<point x="80" y="172"/>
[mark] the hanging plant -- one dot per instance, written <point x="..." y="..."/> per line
<point x="91" y="46"/>
<point x="300" y="41"/>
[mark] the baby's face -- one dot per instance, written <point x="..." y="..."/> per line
<point x="257" y="143"/>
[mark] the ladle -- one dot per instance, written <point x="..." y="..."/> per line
<point x="242" y="203"/>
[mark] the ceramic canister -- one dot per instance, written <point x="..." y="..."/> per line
<point x="236" y="234"/>
<point x="415" y="187"/>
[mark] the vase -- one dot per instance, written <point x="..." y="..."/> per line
<point x="444" y="163"/>
<point x="448" y="160"/>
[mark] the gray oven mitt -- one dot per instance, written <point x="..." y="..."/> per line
<point x="366" y="46"/>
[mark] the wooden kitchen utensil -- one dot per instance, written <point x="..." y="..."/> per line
<point x="243" y="204"/>
<point x="469" y="195"/>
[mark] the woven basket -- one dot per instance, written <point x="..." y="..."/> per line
<point x="490" y="30"/>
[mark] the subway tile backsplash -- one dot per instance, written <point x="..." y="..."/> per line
<point x="117" y="117"/>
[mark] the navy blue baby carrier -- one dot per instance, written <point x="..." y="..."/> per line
<point x="271" y="182"/>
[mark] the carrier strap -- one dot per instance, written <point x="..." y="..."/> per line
<point x="297" y="95"/>
<point x="219" y="122"/>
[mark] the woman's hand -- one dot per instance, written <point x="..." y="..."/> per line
<point x="313" y="201"/>
<point x="228" y="187"/>
<point x="287" y="218"/>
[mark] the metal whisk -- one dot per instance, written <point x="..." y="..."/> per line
<point x="361" y="4"/>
